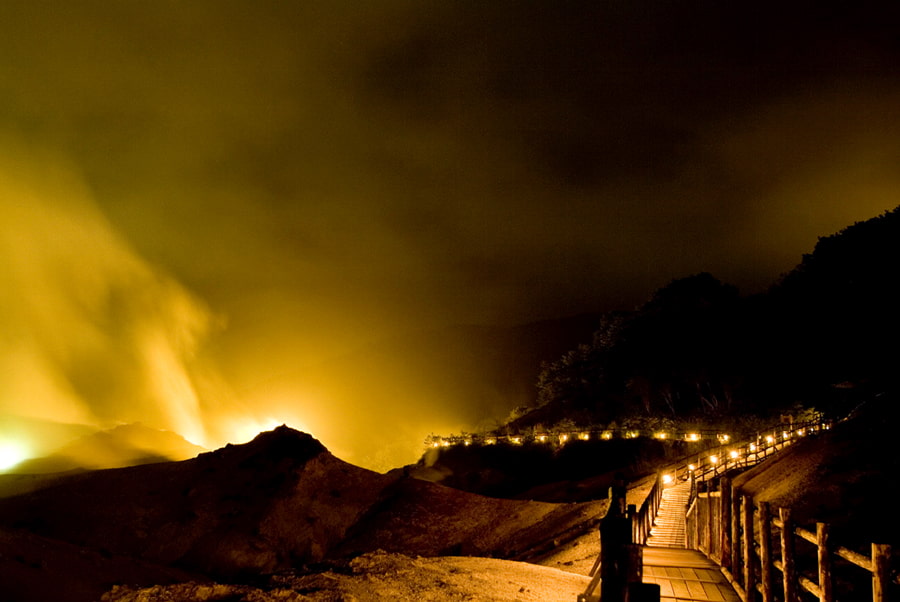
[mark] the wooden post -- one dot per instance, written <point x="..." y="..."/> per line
<point x="614" y="539"/>
<point x="634" y="563"/>
<point x="881" y="559"/>
<point x="725" y="522"/>
<point x="643" y="592"/>
<point x="824" y="563"/>
<point x="765" y="552"/>
<point x="748" y="552"/>
<point x="735" y="533"/>
<point x="709" y="522"/>
<point x="787" y="555"/>
<point x="634" y="520"/>
<point x="695" y="526"/>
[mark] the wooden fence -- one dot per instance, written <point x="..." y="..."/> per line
<point x="738" y="535"/>
<point x="642" y="519"/>
<point x="619" y="568"/>
<point x="714" y="462"/>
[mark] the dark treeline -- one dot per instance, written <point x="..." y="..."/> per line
<point x="824" y="336"/>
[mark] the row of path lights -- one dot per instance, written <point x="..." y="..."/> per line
<point x="762" y="444"/>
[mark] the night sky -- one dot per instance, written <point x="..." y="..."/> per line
<point x="204" y="201"/>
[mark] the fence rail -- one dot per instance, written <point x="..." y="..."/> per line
<point x="737" y="534"/>
<point x="621" y="548"/>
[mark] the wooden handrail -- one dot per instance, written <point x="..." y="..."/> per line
<point x="744" y="549"/>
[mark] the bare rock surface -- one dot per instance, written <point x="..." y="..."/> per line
<point x="382" y="576"/>
<point x="279" y="503"/>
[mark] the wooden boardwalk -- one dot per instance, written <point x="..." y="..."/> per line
<point x="686" y="575"/>
<point x="668" y="527"/>
<point x="683" y="575"/>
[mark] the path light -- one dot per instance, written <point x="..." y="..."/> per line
<point x="542" y="438"/>
<point x="490" y="441"/>
<point x="631" y="434"/>
<point x="467" y="442"/>
<point x="445" y="443"/>
<point x="516" y="440"/>
<point x="692" y="437"/>
<point x="785" y="435"/>
<point x="691" y="467"/>
<point x="752" y="447"/>
<point x="723" y="438"/>
<point x="660" y="435"/>
<point x="733" y="454"/>
<point x="666" y="479"/>
<point x="801" y="432"/>
<point x="770" y="439"/>
<point x="714" y="459"/>
<point x="606" y="435"/>
<point x="563" y="438"/>
<point x="584" y="436"/>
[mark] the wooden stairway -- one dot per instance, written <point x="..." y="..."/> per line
<point x="668" y="528"/>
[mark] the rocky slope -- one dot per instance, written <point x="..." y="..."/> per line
<point x="279" y="503"/>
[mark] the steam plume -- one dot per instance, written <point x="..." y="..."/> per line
<point x="89" y="332"/>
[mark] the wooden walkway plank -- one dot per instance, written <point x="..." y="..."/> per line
<point x="683" y="575"/>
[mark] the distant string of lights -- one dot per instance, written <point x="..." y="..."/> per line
<point x="726" y="455"/>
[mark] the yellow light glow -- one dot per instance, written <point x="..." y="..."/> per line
<point x="11" y="453"/>
<point x="666" y="479"/>
<point x="733" y="454"/>
<point x="584" y="436"/>
<point x="692" y="437"/>
<point x="770" y="439"/>
<point x="563" y="438"/>
<point x="691" y="467"/>
<point x="714" y="459"/>
<point x="660" y="435"/>
<point x="723" y="438"/>
<point x="516" y="440"/>
<point x="490" y="441"/>
<point x="542" y="438"/>
<point x="607" y="435"/>
<point x="467" y="442"/>
<point x="801" y="432"/>
<point x="752" y="447"/>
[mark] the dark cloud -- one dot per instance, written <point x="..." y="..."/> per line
<point x="324" y="174"/>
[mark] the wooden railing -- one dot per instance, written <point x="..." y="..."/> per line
<point x="737" y="534"/>
<point x="714" y="462"/>
<point x="642" y="519"/>
<point x="619" y="567"/>
<point x="620" y="548"/>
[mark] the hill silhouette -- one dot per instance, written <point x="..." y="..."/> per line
<point x="279" y="502"/>
<point x="822" y="336"/>
<point x="124" y="445"/>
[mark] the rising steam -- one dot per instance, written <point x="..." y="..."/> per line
<point x="90" y="333"/>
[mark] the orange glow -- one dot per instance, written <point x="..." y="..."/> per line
<point x="11" y="453"/>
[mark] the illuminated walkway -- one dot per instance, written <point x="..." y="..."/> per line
<point x="668" y="528"/>
<point x="682" y="574"/>
<point x="686" y="575"/>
